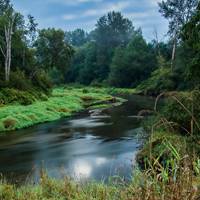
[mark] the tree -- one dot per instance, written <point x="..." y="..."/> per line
<point x="89" y="72"/>
<point x="77" y="37"/>
<point x="191" y="38"/>
<point x="178" y="12"/>
<point x="4" y="5"/>
<point x="52" y="51"/>
<point x="31" y="29"/>
<point x="133" y="63"/>
<point x="112" y="30"/>
<point x="84" y="68"/>
<point x="8" y="20"/>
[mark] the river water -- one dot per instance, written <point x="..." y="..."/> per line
<point x="86" y="146"/>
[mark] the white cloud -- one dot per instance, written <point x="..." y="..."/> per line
<point x="74" y="2"/>
<point x="95" y="12"/>
<point x="83" y="1"/>
<point x="85" y="13"/>
<point x="154" y="2"/>
<point x="119" y="6"/>
<point x="69" y="17"/>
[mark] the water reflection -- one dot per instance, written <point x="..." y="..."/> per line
<point x="87" y="146"/>
<point x="89" y="122"/>
<point x="82" y="169"/>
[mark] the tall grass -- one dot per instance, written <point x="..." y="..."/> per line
<point x="175" y="181"/>
<point x="62" y="103"/>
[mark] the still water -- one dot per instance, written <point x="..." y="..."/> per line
<point x="86" y="146"/>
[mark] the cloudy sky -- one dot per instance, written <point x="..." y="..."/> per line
<point x="72" y="14"/>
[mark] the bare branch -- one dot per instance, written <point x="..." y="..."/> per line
<point x="2" y="52"/>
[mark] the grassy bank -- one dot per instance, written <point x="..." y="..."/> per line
<point x="173" y="177"/>
<point x="179" y="183"/>
<point x="63" y="102"/>
<point x="169" y="164"/>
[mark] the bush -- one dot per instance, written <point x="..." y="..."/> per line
<point x="85" y="91"/>
<point x="19" y="81"/>
<point x="161" y="80"/>
<point x="8" y="96"/>
<point x="183" y="108"/>
<point x="42" y="81"/>
<point x="9" y="123"/>
<point x="37" y="87"/>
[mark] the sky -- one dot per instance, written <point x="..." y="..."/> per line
<point x="72" y="14"/>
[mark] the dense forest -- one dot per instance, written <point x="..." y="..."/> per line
<point x="48" y="74"/>
<point x="115" y="53"/>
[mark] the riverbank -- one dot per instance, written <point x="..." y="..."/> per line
<point x="145" y="185"/>
<point x="169" y="166"/>
<point x="63" y="102"/>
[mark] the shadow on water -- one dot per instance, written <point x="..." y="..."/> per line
<point x="85" y="146"/>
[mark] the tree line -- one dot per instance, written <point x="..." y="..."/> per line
<point x="115" y="53"/>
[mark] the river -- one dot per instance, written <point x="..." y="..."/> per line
<point x="86" y="146"/>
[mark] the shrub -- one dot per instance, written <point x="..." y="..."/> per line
<point x="183" y="109"/>
<point x="19" y="81"/>
<point x="85" y="91"/>
<point x="161" y="80"/>
<point x="42" y="81"/>
<point x="87" y="98"/>
<point x="9" y="123"/>
<point x="64" y="110"/>
<point x="8" y="96"/>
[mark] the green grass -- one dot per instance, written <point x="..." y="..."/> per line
<point x="62" y="103"/>
<point x="169" y="167"/>
<point x="179" y="184"/>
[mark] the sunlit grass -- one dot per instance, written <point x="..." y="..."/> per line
<point x="63" y="103"/>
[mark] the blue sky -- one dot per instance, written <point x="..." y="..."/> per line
<point x="72" y="14"/>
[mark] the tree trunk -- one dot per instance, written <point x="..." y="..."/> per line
<point x="173" y="54"/>
<point x="8" y="52"/>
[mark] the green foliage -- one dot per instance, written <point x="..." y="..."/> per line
<point x="77" y="37"/>
<point x="42" y="81"/>
<point x="10" y="96"/>
<point x="92" y="61"/>
<point x="20" y="81"/>
<point x="183" y="109"/>
<point x="113" y="30"/>
<point x="161" y="80"/>
<point x="132" y="64"/>
<point x="52" y="50"/>
<point x="178" y="13"/>
<point x="63" y="103"/>
<point x="191" y="40"/>
<point x="88" y="71"/>
<point x="160" y="149"/>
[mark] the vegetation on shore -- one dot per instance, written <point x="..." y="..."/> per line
<point x="168" y="163"/>
<point x="178" y="179"/>
<point x="63" y="102"/>
<point x="113" y="54"/>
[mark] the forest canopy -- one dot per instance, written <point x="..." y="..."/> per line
<point x="115" y="53"/>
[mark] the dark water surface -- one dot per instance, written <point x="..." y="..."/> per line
<point x="85" y="146"/>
